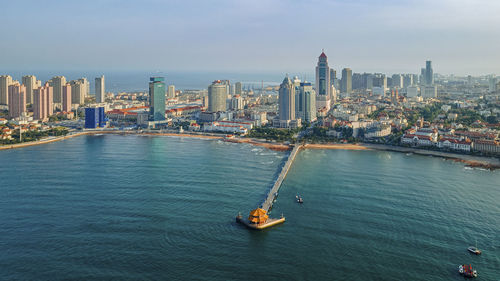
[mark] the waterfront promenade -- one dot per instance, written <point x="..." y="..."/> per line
<point x="273" y="192"/>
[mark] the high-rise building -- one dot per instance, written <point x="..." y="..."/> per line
<point x="57" y="83"/>
<point x="492" y="84"/>
<point x="30" y="82"/>
<point x="43" y="102"/>
<point x="217" y="96"/>
<point x="171" y="92"/>
<point x="237" y="88"/>
<point x="429" y="73"/>
<point x="323" y="82"/>
<point x="407" y="80"/>
<point x="306" y="102"/>
<point x="100" y="89"/>
<point x="333" y="76"/>
<point x="377" y="80"/>
<point x="78" y="91"/>
<point x="287" y="100"/>
<point x="66" y="98"/>
<point x="86" y="84"/>
<point x="397" y="81"/>
<point x="157" y="98"/>
<point x="17" y="100"/>
<point x="5" y="82"/>
<point x="237" y="103"/>
<point x="91" y="118"/>
<point x="95" y="117"/>
<point x="346" y="82"/>
<point x="422" y="77"/>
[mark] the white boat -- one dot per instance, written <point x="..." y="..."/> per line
<point x="474" y="249"/>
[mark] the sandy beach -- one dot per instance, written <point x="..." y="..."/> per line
<point x="348" y="146"/>
<point x="272" y="146"/>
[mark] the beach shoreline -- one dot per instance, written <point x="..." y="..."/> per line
<point x="489" y="163"/>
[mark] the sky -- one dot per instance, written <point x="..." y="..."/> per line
<point x="389" y="36"/>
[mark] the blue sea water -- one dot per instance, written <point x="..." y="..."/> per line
<point x="163" y="208"/>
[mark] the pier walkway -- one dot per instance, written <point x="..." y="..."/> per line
<point x="268" y="203"/>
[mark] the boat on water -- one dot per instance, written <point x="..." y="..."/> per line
<point x="474" y="249"/>
<point x="299" y="199"/>
<point x="467" y="271"/>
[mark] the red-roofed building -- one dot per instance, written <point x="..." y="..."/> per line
<point x="417" y="140"/>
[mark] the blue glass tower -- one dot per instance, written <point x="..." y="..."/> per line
<point x="91" y="118"/>
<point x="157" y="99"/>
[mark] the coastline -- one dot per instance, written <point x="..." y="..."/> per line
<point x="489" y="163"/>
<point x="54" y="139"/>
<point x="346" y="146"/>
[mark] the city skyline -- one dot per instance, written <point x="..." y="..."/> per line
<point x="401" y="34"/>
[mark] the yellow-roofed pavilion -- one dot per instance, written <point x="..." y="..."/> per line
<point x="258" y="216"/>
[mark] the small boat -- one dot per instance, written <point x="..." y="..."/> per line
<point x="299" y="199"/>
<point x="467" y="271"/>
<point x="474" y="249"/>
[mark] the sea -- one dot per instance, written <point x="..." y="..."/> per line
<point x="111" y="207"/>
<point x="137" y="80"/>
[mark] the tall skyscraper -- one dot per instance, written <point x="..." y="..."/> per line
<point x="157" y="98"/>
<point x="66" y="98"/>
<point x="286" y="100"/>
<point x="429" y="73"/>
<point x="43" y="102"/>
<point x="346" y="82"/>
<point x="237" y="87"/>
<point x="78" y="91"/>
<point x="99" y="89"/>
<point x="422" y="77"/>
<point x="171" y="92"/>
<point x="306" y="102"/>
<point x="30" y="82"/>
<point x="5" y="82"/>
<point x="17" y="100"/>
<point x="57" y="83"/>
<point x="323" y="82"/>
<point x="217" y="96"/>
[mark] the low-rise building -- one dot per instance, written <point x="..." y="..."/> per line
<point x="487" y="146"/>
<point x="455" y="144"/>
<point x="417" y="140"/>
<point x="218" y="127"/>
<point x="378" y="131"/>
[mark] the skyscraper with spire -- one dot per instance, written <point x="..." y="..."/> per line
<point x="323" y="82"/>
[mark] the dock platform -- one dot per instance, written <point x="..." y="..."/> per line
<point x="259" y="216"/>
<point x="270" y="222"/>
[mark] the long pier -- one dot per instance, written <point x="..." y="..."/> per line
<point x="268" y="202"/>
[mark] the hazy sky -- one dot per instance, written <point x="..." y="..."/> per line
<point x="459" y="36"/>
